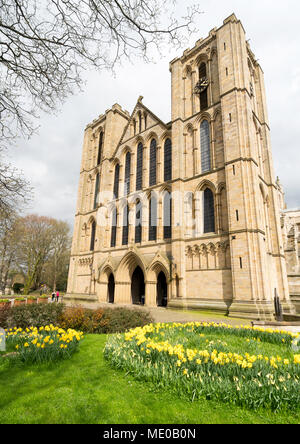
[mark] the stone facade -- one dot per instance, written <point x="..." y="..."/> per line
<point x="209" y="172"/>
<point x="290" y="225"/>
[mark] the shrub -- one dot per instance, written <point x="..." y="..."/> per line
<point x="122" y="319"/>
<point x="4" y="301"/>
<point x="103" y="320"/>
<point x="5" y="311"/>
<point x="36" y="315"/>
<point x="32" y="298"/>
<point x="20" y="299"/>
<point x="106" y="320"/>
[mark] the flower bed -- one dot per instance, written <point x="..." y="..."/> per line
<point x="5" y="302"/>
<point x="31" y="300"/>
<point x="239" y="365"/>
<point x="47" y="343"/>
<point x="43" y="299"/>
<point x="19" y="301"/>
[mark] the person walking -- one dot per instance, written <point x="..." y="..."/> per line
<point x="53" y="296"/>
<point x="57" y="296"/>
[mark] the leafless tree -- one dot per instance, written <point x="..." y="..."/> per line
<point x="55" y="270"/>
<point x="15" y="191"/>
<point x="8" y="247"/>
<point x="43" y="246"/>
<point x="45" y="45"/>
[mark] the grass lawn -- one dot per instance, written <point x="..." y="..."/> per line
<point x="84" y="389"/>
<point x="212" y="315"/>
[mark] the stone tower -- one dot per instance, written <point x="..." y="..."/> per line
<point x="206" y="178"/>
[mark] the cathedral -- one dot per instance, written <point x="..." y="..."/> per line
<point x="185" y="214"/>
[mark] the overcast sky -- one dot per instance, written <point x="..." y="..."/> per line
<point x="51" y="159"/>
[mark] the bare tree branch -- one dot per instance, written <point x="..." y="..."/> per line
<point x="45" y="45"/>
<point x="15" y="191"/>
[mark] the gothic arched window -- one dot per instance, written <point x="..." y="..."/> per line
<point x="114" y="222"/>
<point x="93" y="233"/>
<point x="125" y="225"/>
<point x="139" y="167"/>
<point x="168" y="160"/>
<point x="205" y="146"/>
<point x="152" y="169"/>
<point x="127" y="174"/>
<point x="138" y="222"/>
<point x="96" y="195"/>
<point x="208" y="212"/>
<point x="167" y="221"/>
<point x="100" y="148"/>
<point x="116" y="181"/>
<point x="152" y="218"/>
<point x="203" y="93"/>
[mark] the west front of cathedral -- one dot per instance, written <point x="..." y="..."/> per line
<point x="185" y="214"/>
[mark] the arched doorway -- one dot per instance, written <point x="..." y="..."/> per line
<point x="162" y="290"/>
<point x="138" y="287"/>
<point x="111" y="289"/>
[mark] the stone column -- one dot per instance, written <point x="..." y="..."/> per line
<point x="185" y="154"/>
<point x="209" y="93"/>
<point x="184" y="96"/>
<point x="119" y="227"/>
<point x="121" y="180"/>
<point x="193" y="81"/>
<point x="213" y="143"/>
<point x="160" y="229"/>
<point x="196" y="154"/>
<point x="132" y="186"/>
<point x="145" y="221"/>
<point x="198" y="213"/>
<point x="159" y="163"/>
<point x="145" y="167"/>
<point x="150" y="294"/>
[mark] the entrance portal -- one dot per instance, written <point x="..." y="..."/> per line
<point x="138" y="287"/>
<point x="162" y="290"/>
<point x="111" y="289"/>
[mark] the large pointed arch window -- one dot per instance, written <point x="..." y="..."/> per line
<point x="168" y="160"/>
<point x="93" y="234"/>
<point x="97" y="187"/>
<point x="100" y="147"/>
<point x="152" y="169"/>
<point x="152" y="218"/>
<point x="127" y="174"/>
<point x="138" y="222"/>
<point x="167" y="220"/>
<point x="208" y="211"/>
<point x="139" y="167"/>
<point x="114" y="223"/>
<point x="125" y="225"/>
<point x="205" y="146"/>
<point x="116" y="181"/>
<point x="203" y="83"/>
